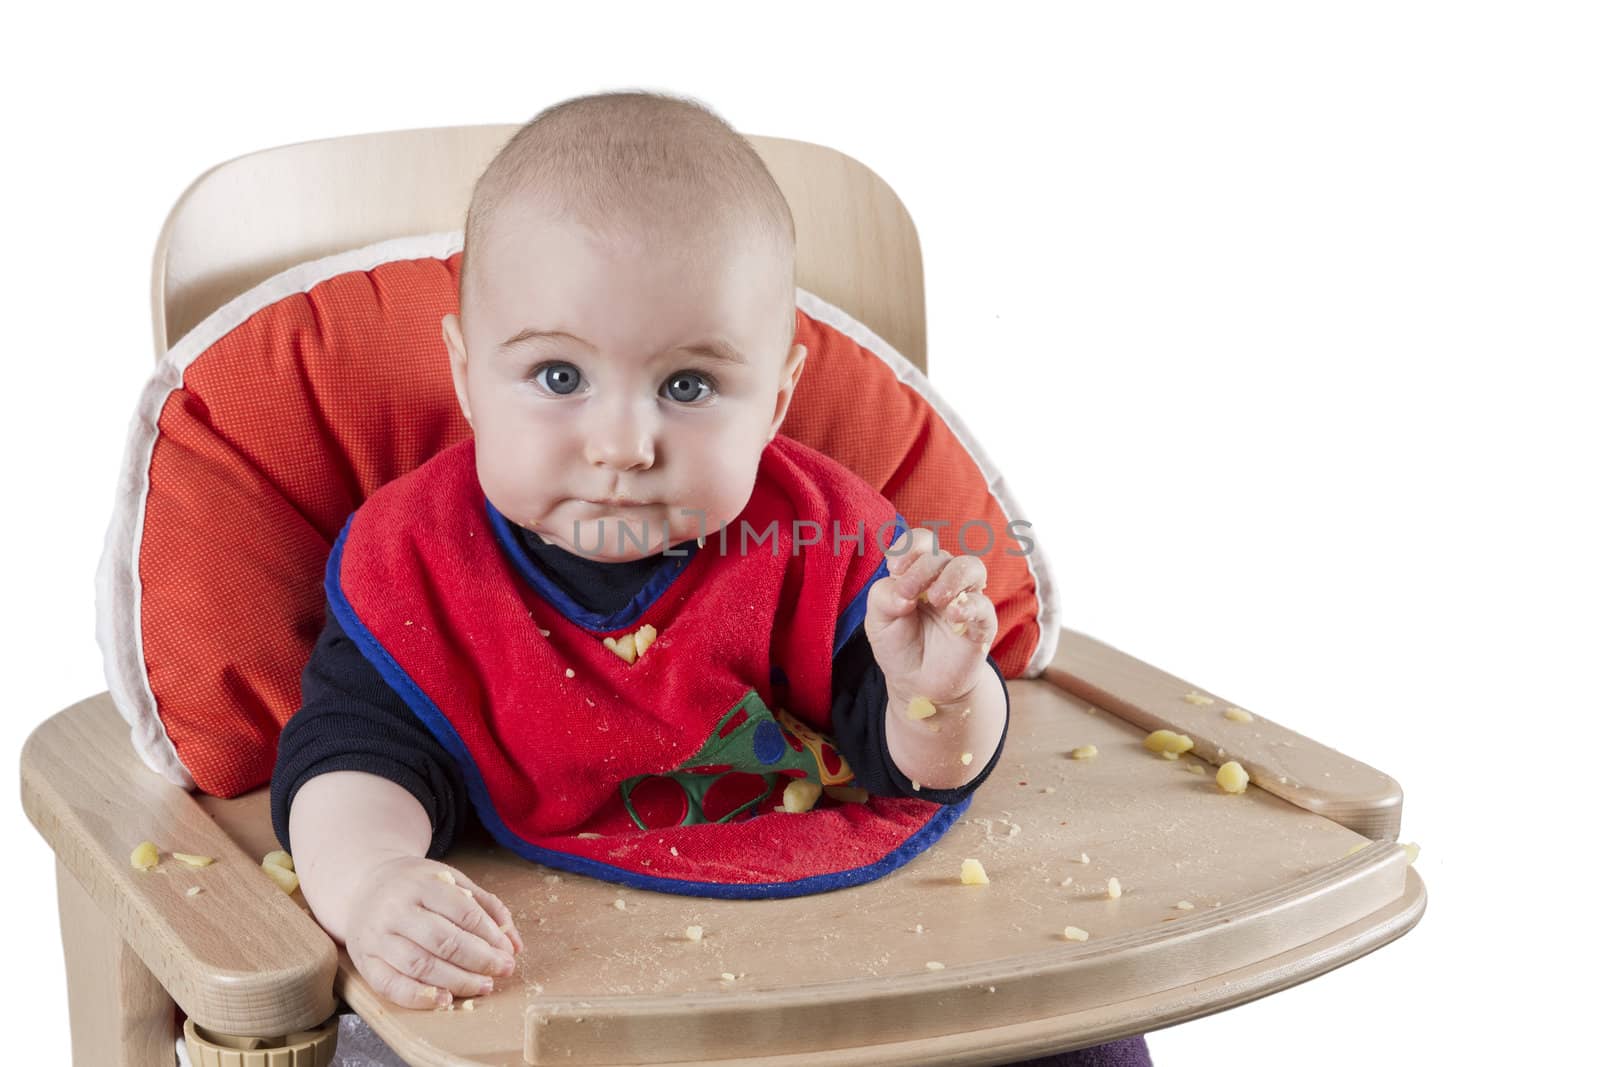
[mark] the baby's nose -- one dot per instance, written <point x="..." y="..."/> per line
<point x="621" y="441"/>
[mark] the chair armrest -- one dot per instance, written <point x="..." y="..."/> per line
<point x="1288" y="765"/>
<point x="239" y="957"/>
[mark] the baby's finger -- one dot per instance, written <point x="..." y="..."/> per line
<point x="909" y="547"/>
<point x="421" y="965"/>
<point x="974" y="619"/>
<point x="884" y="603"/>
<point x="497" y="912"/>
<point x="915" y="579"/>
<point x="450" y="942"/>
<point x="961" y="575"/>
<point x="456" y="898"/>
<point x="397" y="988"/>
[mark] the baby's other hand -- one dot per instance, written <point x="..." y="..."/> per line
<point x="418" y="939"/>
<point x="933" y="648"/>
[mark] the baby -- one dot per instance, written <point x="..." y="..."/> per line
<point x="624" y="356"/>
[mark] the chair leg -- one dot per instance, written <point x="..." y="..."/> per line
<point x="121" y="1017"/>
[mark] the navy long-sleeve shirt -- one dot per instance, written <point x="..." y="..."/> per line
<point x="350" y="719"/>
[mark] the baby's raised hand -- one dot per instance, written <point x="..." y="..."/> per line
<point x="421" y="932"/>
<point x="933" y="648"/>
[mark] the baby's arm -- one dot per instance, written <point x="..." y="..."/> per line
<point x="418" y="931"/>
<point x="931" y="626"/>
<point x="860" y="729"/>
<point x="360" y="794"/>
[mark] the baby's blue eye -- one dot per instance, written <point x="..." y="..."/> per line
<point x="683" y="387"/>
<point x="562" y="377"/>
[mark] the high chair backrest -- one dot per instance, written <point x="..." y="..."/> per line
<point x="251" y="217"/>
<point x="300" y="367"/>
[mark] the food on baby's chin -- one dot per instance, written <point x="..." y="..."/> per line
<point x="1232" y="777"/>
<point x="278" y="858"/>
<point x="1085" y="752"/>
<point x="1168" y="741"/>
<point x="800" y="795"/>
<point x="145" y="857"/>
<point x="972" y="873"/>
<point x="966" y="758"/>
<point x="920" y="708"/>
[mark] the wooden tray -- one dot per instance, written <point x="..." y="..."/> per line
<point x="1278" y="897"/>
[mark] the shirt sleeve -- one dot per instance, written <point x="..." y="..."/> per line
<point x="350" y="719"/>
<point x="860" y="699"/>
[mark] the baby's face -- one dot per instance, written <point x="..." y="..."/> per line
<point x="594" y="406"/>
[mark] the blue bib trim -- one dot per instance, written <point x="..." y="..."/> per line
<point x="623" y="618"/>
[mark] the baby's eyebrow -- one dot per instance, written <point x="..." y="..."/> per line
<point x="714" y="349"/>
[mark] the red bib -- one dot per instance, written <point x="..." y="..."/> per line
<point x="663" y="773"/>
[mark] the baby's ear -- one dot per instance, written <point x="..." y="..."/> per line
<point x="456" y="346"/>
<point x="787" y="380"/>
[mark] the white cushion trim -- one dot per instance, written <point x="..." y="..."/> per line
<point x="117" y="586"/>
<point x="907" y="372"/>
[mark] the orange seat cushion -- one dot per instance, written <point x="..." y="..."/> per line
<point x="283" y="424"/>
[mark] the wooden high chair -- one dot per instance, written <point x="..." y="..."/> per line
<point x="1225" y="898"/>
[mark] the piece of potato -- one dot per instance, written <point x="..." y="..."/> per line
<point x="278" y="858"/>
<point x="623" y="646"/>
<point x="920" y="708"/>
<point x="644" y="637"/>
<point x="287" y="880"/>
<point x="1113" y="889"/>
<point x="693" y="933"/>
<point x="192" y="860"/>
<point x="972" y="873"/>
<point x="800" y="795"/>
<point x="1233" y="714"/>
<point x="1232" y="778"/>
<point x="1085" y="752"/>
<point x="1198" y="698"/>
<point x="1072" y="933"/>
<point x="847" y="794"/>
<point x="145" y="857"/>
<point x="1168" y="741"/>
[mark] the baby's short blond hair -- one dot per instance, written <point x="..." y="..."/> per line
<point x="618" y="161"/>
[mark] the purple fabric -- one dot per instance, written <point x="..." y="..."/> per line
<point x="1128" y="1052"/>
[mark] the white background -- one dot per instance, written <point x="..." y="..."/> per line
<point x="1282" y="324"/>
